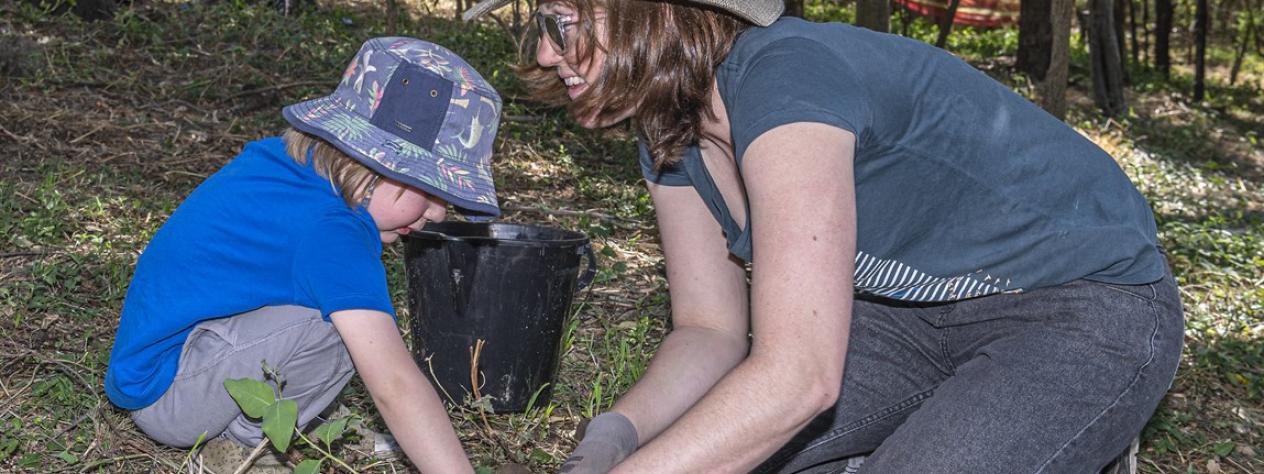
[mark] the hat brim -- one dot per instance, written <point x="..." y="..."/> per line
<point x="454" y="180"/>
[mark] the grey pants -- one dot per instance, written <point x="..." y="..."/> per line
<point x="304" y="349"/>
<point x="1055" y="380"/>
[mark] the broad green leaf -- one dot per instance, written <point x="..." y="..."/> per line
<point x="68" y="456"/>
<point x="1223" y="448"/>
<point x="278" y="423"/>
<point x="330" y="431"/>
<point x="253" y="396"/>
<point x="310" y="466"/>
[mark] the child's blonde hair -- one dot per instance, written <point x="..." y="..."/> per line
<point x="350" y="177"/>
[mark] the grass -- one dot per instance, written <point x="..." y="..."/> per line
<point x="107" y="125"/>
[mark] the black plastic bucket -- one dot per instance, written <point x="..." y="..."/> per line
<point x="507" y="285"/>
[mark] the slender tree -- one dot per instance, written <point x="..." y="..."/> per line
<point x="1108" y="85"/>
<point x="1202" y="24"/>
<point x="1132" y="27"/>
<point x="1244" y="38"/>
<point x="874" y="14"/>
<point x="794" y="8"/>
<point x="1119" y="10"/>
<point x="1162" y="36"/>
<point x="1145" y="31"/>
<point x="1044" y="41"/>
<point x="945" y="23"/>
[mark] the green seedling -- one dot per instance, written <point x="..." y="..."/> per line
<point x="259" y="400"/>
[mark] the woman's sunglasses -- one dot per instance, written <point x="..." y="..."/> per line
<point x="554" y="27"/>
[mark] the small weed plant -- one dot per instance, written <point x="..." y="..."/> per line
<point x="259" y="400"/>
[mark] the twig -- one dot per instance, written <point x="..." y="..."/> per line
<point x="522" y="118"/>
<point x="475" y="353"/>
<point x="101" y="462"/>
<point x="1239" y="466"/>
<point x="250" y="460"/>
<point x="86" y="135"/>
<point x="278" y="88"/>
<point x="23" y="254"/>
<point x="15" y="137"/>
<point x="77" y="421"/>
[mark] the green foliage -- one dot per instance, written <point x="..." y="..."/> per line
<point x="254" y="397"/>
<point x="166" y="92"/>
<point x="258" y="400"/>
<point x="278" y="423"/>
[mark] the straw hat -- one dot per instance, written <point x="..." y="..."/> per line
<point x="759" y="12"/>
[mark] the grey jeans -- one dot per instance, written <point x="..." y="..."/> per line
<point x="1055" y="380"/>
<point x="305" y="350"/>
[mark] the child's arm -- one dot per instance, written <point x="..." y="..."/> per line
<point x="408" y="403"/>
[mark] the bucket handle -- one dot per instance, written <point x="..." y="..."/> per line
<point x="587" y="277"/>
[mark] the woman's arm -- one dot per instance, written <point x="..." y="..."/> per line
<point x="800" y="187"/>
<point x="709" y="314"/>
<point x="408" y="403"/>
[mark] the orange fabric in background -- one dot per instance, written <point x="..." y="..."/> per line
<point x="979" y="13"/>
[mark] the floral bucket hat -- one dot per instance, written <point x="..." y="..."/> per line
<point x="416" y="113"/>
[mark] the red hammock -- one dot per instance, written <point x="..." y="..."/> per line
<point x="980" y="13"/>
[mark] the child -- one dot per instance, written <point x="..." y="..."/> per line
<point x="277" y="258"/>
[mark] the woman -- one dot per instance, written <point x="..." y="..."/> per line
<point x="942" y="274"/>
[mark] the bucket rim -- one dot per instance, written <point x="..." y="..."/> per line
<point x="437" y="231"/>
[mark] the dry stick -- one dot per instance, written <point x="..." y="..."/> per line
<point x="86" y="135"/>
<point x="278" y="88"/>
<point x="250" y="460"/>
<point x="101" y="462"/>
<point x="476" y="352"/>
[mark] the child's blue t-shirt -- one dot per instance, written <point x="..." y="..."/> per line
<point x="963" y="188"/>
<point x="263" y="231"/>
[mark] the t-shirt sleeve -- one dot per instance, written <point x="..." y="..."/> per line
<point x="795" y="80"/>
<point x="338" y="265"/>
<point x="670" y="175"/>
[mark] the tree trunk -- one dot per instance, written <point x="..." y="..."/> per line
<point x="1044" y="41"/>
<point x="1146" y="39"/>
<point x="874" y="14"/>
<point x="1132" y="27"/>
<point x="794" y="8"/>
<point x="1162" y="36"/>
<point x="945" y="23"/>
<point x="1108" y="86"/>
<point x="1119" y="12"/>
<point x="1202" y="24"/>
<point x="392" y="14"/>
<point x="1242" y="45"/>
<point x="1035" y="37"/>
<point x="906" y="18"/>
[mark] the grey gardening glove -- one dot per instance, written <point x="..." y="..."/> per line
<point x="607" y="440"/>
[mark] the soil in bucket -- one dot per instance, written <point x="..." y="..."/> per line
<point x="489" y="303"/>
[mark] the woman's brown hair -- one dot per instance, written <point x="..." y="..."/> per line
<point x="660" y="60"/>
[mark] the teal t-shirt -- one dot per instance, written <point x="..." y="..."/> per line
<point x="262" y="231"/>
<point x="963" y="188"/>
